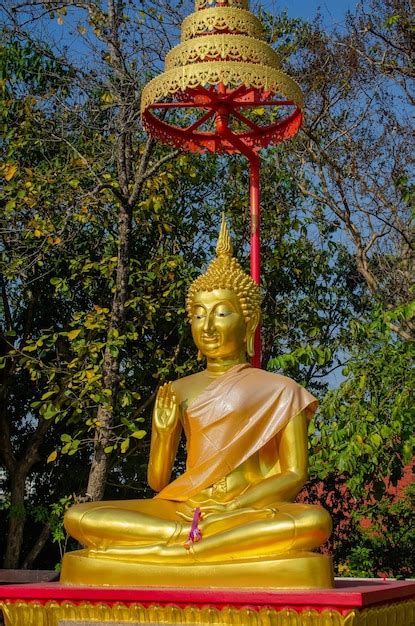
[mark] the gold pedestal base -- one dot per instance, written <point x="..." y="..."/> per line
<point x="296" y="570"/>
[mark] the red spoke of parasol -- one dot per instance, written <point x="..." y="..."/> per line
<point x="267" y="103"/>
<point x="245" y="120"/>
<point x="201" y="120"/>
<point x="176" y="105"/>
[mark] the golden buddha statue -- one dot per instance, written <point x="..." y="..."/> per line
<point x="246" y="432"/>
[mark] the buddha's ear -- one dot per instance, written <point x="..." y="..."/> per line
<point x="250" y="332"/>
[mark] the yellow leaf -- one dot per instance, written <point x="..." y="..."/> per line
<point x="259" y="111"/>
<point x="38" y="233"/>
<point x="73" y="334"/>
<point x="82" y="30"/>
<point x="10" y="170"/>
<point x="80" y="161"/>
<point x="107" y="98"/>
<point x="125" y="445"/>
<point x="52" y="457"/>
<point x="60" y="20"/>
<point x="89" y="374"/>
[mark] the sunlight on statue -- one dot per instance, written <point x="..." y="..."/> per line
<point x="246" y="433"/>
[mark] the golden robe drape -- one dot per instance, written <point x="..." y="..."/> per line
<point x="233" y="418"/>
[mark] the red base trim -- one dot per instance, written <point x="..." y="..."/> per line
<point x="348" y="594"/>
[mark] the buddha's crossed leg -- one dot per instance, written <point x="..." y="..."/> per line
<point x="127" y="523"/>
<point x="136" y="533"/>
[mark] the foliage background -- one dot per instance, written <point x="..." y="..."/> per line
<point x="102" y="230"/>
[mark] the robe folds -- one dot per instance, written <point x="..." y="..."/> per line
<point x="232" y="419"/>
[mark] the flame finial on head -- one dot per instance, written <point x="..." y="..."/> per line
<point x="224" y="246"/>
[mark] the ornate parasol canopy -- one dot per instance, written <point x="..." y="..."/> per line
<point x="223" y="91"/>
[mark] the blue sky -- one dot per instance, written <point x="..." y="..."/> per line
<point x="333" y="12"/>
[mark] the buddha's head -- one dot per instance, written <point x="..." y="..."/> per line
<point x="223" y="305"/>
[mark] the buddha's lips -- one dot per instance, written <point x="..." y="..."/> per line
<point x="210" y="338"/>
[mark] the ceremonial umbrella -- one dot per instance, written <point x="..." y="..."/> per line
<point x="218" y="82"/>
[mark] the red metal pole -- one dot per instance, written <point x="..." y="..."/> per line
<point x="222" y="128"/>
<point x="254" y="194"/>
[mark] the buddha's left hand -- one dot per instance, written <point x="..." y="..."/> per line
<point x="220" y="510"/>
<point x="233" y="507"/>
<point x="213" y="508"/>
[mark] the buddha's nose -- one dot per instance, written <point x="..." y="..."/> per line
<point x="208" y="325"/>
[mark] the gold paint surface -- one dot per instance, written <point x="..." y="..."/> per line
<point x="231" y="19"/>
<point x="53" y="614"/>
<point x="222" y="48"/>
<point x="230" y="73"/>
<point x="305" y="570"/>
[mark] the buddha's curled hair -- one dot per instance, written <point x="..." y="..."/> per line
<point x="225" y="272"/>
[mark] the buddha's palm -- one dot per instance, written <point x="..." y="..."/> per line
<point x="166" y="409"/>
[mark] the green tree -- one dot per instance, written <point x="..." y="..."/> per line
<point x="369" y="417"/>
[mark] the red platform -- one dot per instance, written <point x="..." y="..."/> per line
<point x="348" y="593"/>
<point x="381" y="603"/>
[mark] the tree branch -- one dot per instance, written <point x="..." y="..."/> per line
<point x="150" y="172"/>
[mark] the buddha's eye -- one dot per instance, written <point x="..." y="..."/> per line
<point x="199" y="313"/>
<point x="222" y="312"/>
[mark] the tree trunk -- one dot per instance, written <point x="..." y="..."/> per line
<point x="99" y="466"/>
<point x="19" y="470"/>
<point x="37" y="547"/>
<point x="16" y="521"/>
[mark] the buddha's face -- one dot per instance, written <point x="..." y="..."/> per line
<point x="218" y="326"/>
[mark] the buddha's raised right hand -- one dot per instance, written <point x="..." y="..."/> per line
<point x="166" y="409"/>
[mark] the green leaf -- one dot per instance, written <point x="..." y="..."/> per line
<point x="376" y="439"/>
<point x="113" y="350"/>
<point x="48" y="394"/>
<point x="30" y="348"/>
<point x="48" y="411"/>
<point x="138" y="434"/>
